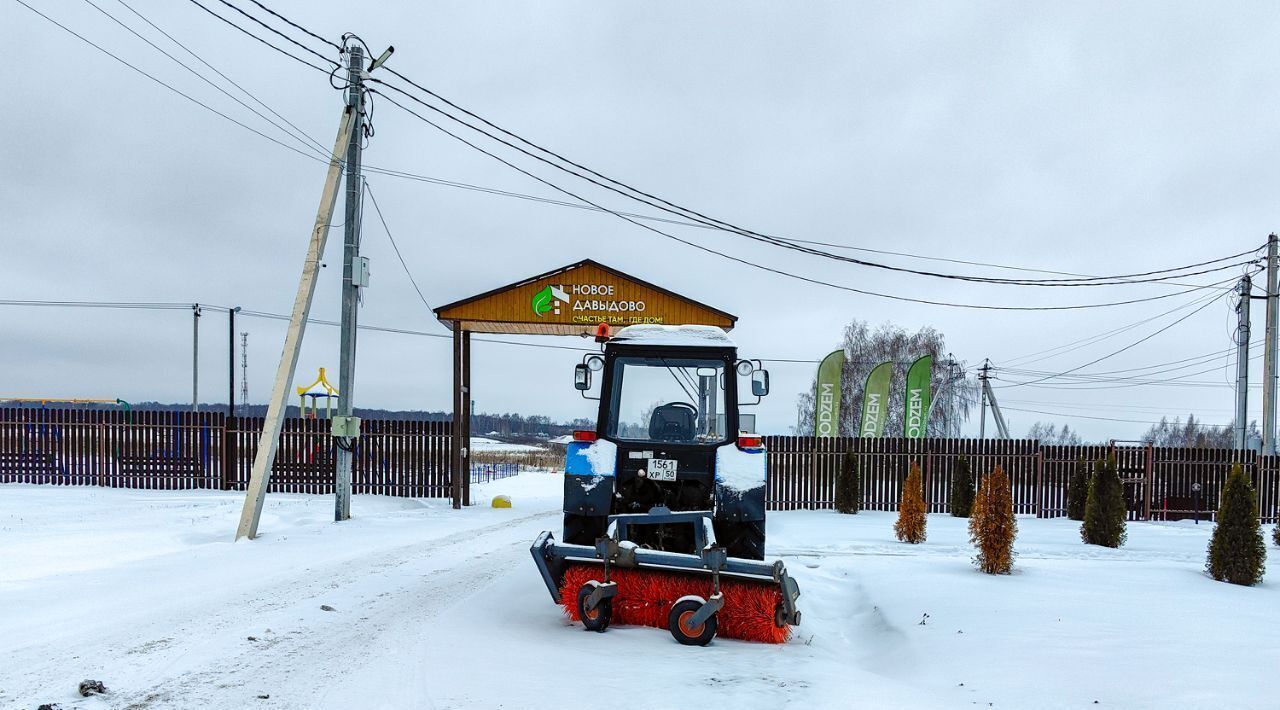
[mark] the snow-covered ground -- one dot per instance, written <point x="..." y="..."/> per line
<point x="436" y="608"/>
<point x="483" y="443"/>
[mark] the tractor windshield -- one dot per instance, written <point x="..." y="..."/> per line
<point x="677" y="400"/>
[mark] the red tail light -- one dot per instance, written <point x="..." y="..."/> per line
<point x="750" y="442"/>
<point x="584" y="435"/>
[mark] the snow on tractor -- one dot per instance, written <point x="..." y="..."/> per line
<point x="664" y="509"/>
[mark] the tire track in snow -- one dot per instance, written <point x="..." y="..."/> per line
<point x="198" y="656"/>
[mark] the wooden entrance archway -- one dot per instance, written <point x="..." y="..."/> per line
<point x="571" y="300"/>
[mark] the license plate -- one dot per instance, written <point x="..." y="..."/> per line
<point x="662" y="469"/>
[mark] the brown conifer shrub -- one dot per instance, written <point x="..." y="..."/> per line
<point x="992" y="525"/>
<point x="911" y="510"/>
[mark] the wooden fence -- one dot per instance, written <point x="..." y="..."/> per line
<point x="171" y="450"/>
<point x="1158" y="481"/>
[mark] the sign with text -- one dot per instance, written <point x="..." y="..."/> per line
<point x="826" y="396"/>
<point x="916" y="418"/>
<point x="875" y="399"/>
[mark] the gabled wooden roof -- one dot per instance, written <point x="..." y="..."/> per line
<point x="575" y="299"/>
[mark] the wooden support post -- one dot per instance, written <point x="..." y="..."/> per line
<point x="466" y="416"/>
<point x="1149" y="475"/>
<point x="456" y="455"/>
<point x="1039" y="481"/>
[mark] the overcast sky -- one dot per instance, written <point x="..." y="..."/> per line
<point x="1098" y="138"/>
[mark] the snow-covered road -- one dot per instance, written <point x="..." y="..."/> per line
<point x="435" y="608"/>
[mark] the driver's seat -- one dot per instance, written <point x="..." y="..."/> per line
<point x="672" y="422"/>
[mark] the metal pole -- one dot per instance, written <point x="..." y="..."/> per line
<point x="195" y="358"/>
<point x="351" y="284"/>
<point x="260" y="476"/>
<point x="231" y="361"/>
<point x="1269" y="352"/>
<point x="1242" y="364"/>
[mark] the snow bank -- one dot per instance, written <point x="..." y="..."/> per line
<point x="739" y="470"/>
<point x="675" y="335"/>
<point x="480" y="443"/>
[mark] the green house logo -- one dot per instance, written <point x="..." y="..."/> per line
<point x="548" y="300"/>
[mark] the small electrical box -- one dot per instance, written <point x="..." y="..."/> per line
<point x="360" y="272"/>
<point x="345" y="427"/>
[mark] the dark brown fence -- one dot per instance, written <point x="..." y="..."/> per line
<point x="1158" y="481"/>
<point x="173" y="450"/>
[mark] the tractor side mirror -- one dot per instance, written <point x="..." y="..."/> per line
<point x="581" y="378"/>
<point x="760" y="383"/>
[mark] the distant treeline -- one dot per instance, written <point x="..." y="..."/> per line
<point x="511" y="424"/>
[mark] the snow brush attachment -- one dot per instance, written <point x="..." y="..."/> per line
<point x="695" y="596"/>
<point x="645" y="598"/>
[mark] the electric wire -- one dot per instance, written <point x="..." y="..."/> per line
<point x="197" y="74"/>
<point x="295" y="58"/>
<point x="170" y="87"/>
<point x="774" y="270"/>
<point x="724" y="226"/>
<point x="320" y="146"/>
<point x="1121" y="350"/>
<point x="1097" y="280"/>
<point x="378" y="210"/>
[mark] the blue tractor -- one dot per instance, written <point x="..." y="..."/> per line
<point x="669" y="435"/>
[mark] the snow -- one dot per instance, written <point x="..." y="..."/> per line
<point x="739" y="470"/>
<point x="481" y="443"/>
<point x="603" y="457"/>
<point x="706" y="336"/>
<point x="436" y="608"/>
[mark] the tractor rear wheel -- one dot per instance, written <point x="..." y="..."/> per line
<point x="742" y="539"/>
<point x="584" y="529"/>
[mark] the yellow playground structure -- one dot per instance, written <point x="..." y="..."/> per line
<point x="327" y="391"/>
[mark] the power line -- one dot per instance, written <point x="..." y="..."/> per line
<point x="184" y="95"/>
<point x="369" y="189"/>
<point x="295" y="58"/>
<point x="1125" y="348"/>
<point x="280" y="34"/>
<point x="769" y="269"/>
<point x="1026" y="282"/>
<point x="184" y="65"/>
<point x="724" y="226"/>
<point x="228" y="79"/>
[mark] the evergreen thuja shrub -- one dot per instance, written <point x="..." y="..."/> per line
<point x="993" y="527"/>
<point x="910" y="526"/>
<point x="1236" y="550"/>
<point x="1104" y="509"/>
<point x="849" y="485"/>
<point x="962" y="494"/>
<point x="1275" y="534"/>
<point x="1078" y="490"/>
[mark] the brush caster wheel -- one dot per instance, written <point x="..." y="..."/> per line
<point x="678" y="621"/>
<point x="596" y="619"/>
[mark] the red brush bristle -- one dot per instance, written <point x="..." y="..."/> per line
<point x="645" y="597"/>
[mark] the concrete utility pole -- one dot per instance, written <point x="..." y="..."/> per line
<point x="260" y="476"/>
<point x="354" y="277"/>
<point x="195" y="358"/>
<point x="1242" y="363"/>
<point x="982" y="421"/>
<point x="1269" y="351"/>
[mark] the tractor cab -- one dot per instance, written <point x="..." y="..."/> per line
<point x="670" y="434"/>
